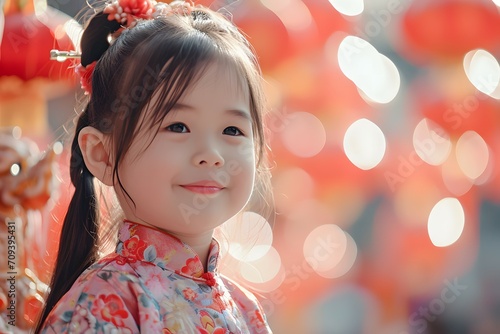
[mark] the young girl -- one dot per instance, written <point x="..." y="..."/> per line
<point x="173" y="124"/>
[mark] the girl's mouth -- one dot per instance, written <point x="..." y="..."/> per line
<point x="202" y="189"/>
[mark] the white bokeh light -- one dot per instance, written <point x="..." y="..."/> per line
<point x="263" y="287"/>
<point x="15" y="169"/>
<point x="303" y="134"/>
<point x="348" y="7"/>
<point x="294" y="14"/>
<point x="374" y="74"/>
<point x="16" y="132"/>
<point x="325" y="247"/>
<point x="454" y="178"/>
<point x="330" y="251"/>
<point x="431" y="142"/>
<point x="472" y="154"/>
<point x="383" y="84"/>
<point x="263" y="269"/>
<point x="346" y="263"/>
<point x="250" y="236"/>
<point x="446" y="222"/>
<point x="483" y="72"/>
<point x="58" y="147"/>
<point x="356" y="57"/>
<point x="364" y="144"/>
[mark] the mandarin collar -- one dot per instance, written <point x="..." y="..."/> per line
<point x="138" y="242"/>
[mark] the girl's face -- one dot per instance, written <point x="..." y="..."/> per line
<point x="199" y="170"/>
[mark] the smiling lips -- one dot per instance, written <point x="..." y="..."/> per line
<point x="203" y="187"/>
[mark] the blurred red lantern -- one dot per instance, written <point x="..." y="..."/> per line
<point x="472" y="113"/>
<point x="29" y="36"/>
<point x="327" y="21"/>
<point x="27" y="75"/>
<point x="278" y="31"/>
<point x="265" y="31"/>
<point x="449" y="29"/>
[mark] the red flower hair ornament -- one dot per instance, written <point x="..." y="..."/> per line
<point x="85" y="74"/>
<point x="127" y="13"/>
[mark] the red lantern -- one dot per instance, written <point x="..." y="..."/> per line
<point x="472" y="113"/>
<point x="449" y="29"/>
<point x="326" y="20"/>
<point x="28" y="39"/>
<point x="27" y="75"/>
<point x="265" y="31"/>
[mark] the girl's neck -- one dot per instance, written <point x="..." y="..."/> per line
<point x="200" y="244"/>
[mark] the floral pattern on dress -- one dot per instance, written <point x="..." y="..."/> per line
<point x="134" y="248"/>
<point x="153" y="283"/>
<point x="109" y="308"/>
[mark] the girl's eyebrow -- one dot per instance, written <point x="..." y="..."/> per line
<point x="235" y="112"/>
<point x="239" y="113"/>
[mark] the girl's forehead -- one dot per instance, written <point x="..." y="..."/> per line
<point x="216" y="73"/>
<point x="221" y="73"/>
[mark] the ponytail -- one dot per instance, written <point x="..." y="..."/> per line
<point x="78" y="241"/>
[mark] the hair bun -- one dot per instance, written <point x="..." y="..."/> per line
<point x="94" y="40"/>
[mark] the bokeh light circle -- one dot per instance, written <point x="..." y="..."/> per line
<point x="325" y="247"/>
<point x="262" y="269"/>
<point x="454" y="178"/>
<point x="364" y="144"/>
<point x="431" y="142"/>
<point x="303" y="134"/>
<point x="373" y="73"/>
<point x="483" y="71"/>
<point x="346" y="263"/>
<point x="472" y="154"/>
<point x="250" y="236"/>
<point x="446" y="222"/>
<point x="349" y="7"/>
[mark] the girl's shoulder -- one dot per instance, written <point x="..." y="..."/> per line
<point x="249" y="305"/>
<point x="237" y="290"/>
<point x="241" y="295"/>
<point x="106" y="286"/>
<point x="107" y="269"/>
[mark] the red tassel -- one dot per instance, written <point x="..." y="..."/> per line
<point x="209" y="278"/>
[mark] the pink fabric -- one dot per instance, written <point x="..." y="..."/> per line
<point x="154" y="283"/>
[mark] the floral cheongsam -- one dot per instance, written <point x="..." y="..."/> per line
<point x="154" y="283"/>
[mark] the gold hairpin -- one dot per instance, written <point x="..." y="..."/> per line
<point x="63" y="55"/>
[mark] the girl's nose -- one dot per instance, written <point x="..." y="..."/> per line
<point x="209" y="157"/>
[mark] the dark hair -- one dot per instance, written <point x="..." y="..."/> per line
<point x="168" y="52"/>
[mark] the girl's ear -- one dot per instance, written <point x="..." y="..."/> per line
<point x="96" y="155"/>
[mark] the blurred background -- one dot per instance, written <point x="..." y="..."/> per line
<point x="385" y="151"/>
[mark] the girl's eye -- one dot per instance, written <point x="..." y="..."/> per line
<point x="233" y="131"/>
<point x="177" y="127"/>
